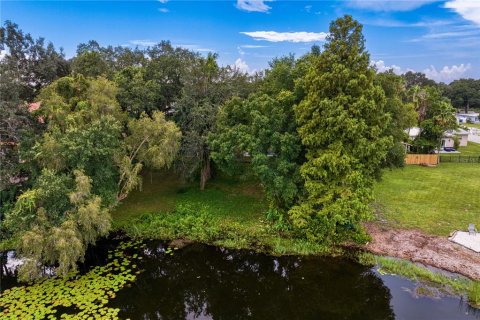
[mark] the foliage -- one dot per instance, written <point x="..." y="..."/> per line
<point x="157" y="82"/>
<point x="435" y="116"/>
<point x="75" y="296"/>
<point x="264" y="128"/>
<point x="151" y="141"/>
<point x="341" y="124"/>
<point x="233" y="212"/>
<point x="31" y="62"/>
<point x="93" y="60"/>
<point x="206" y="87"/>
<point x="464" y="93"/>
<point x="86" y="137"/>
<point x="84" y="126"/>
<point x="402" y="115"/>
<point x="28" y="66"/>
<point x="262" y="131"/>
<point x="413" y="79"/>
<point x="56" y="222"/>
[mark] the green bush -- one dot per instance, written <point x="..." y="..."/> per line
<point x="185" y="221"/>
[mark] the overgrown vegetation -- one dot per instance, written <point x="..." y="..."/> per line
<point x="228" y="213"/>
<point x="455" y="285"/>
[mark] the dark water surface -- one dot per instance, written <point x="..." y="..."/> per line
<point x="204" y="282"/>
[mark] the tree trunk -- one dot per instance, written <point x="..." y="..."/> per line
<point x="205" y="174"/>
<point x="467" y="107"/>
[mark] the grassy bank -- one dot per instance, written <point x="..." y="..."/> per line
<point x="452" y="285"/>
<point x="229" y="212"/>
<point x="472" y="149"/>
<point x="435" y="200"/>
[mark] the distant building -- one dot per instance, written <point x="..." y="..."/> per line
<point x="471" y="117"/>
<point x="448" y="140"/>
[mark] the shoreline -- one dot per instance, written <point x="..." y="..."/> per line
<point x="418" y="247"/>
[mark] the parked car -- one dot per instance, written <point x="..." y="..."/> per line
<point x="449" y="149"/>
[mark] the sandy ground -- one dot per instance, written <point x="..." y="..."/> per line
<point x="416" y="246"/>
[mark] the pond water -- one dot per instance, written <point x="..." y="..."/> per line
<point x="204" y="282"/>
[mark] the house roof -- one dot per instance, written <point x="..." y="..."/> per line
<point x="470" y="114"/>
<point x="458" y="132"/>
<point x="415" y="132"/>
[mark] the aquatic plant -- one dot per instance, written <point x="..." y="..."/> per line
<point x="76" y="296"/>
<point x="455" y="285"/>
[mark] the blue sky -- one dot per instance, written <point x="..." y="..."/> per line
<point x="440" y="38"/>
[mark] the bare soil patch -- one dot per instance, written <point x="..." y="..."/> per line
<point x="417" y="246"/>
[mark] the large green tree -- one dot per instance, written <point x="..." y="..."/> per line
<point x="27" y="66"/>
<point x="157" y="82"/>
<point x="435" y="116"/>
<point x="341" y="123"/>
<point x="205" y="88"/>
<point x="88" y="159"/>
<point x="417" y="79"/>
<point x="262" y="131"/>
<point x="464" y="94"/>
<point x="402" y="114"/>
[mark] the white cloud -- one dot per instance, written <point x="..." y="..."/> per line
<point x="274" y="36"/>
<point x="3" y="53"/>
<point x="447" y="74"/>
<point x="163" y="1"/>
<point x="381" y="67"/>
<point x="163" y="10"/>
<point x="468" y="9"/>
<point x="143" y="43"/>
<point x="252" y="46"/>
<point x="308" y="8"/>
<point x="194" y="47"/>
<point x="241" y="65"/>
<point x="389" y="5"/>
<point x="253" y="5"/>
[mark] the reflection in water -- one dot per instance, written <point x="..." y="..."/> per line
<point x="203" y="282"/>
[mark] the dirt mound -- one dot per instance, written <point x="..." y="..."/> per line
<point x="429" y="250"/>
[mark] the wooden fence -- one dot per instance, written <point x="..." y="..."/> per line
<point x="421" y="159"/>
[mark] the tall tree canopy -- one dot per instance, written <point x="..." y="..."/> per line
<point x="417" y="79"/>
<point x="341" y="124"/>
<point x="27" y="66"/>
<point x="435" y="116"/>
<point x="206" y="87"/>
<point x="402" y="114"/>
<point x="89" y="157"/>
<point x="262" y="130"/>
<point x="464" y="94"/>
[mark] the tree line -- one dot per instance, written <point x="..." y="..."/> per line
<point x="315" y="131"/>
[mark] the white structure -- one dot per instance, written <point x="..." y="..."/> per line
<point x="413" y="132"/>
<point x="448" y="140"/>
<point x="471" y="241"/>
<point x="471" y="117"/>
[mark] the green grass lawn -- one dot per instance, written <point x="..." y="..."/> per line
<point x="225" y="197"/>
<point x="473" y="125"/>
<point x="437" y="200"/>
<point x="472" y="149"/>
